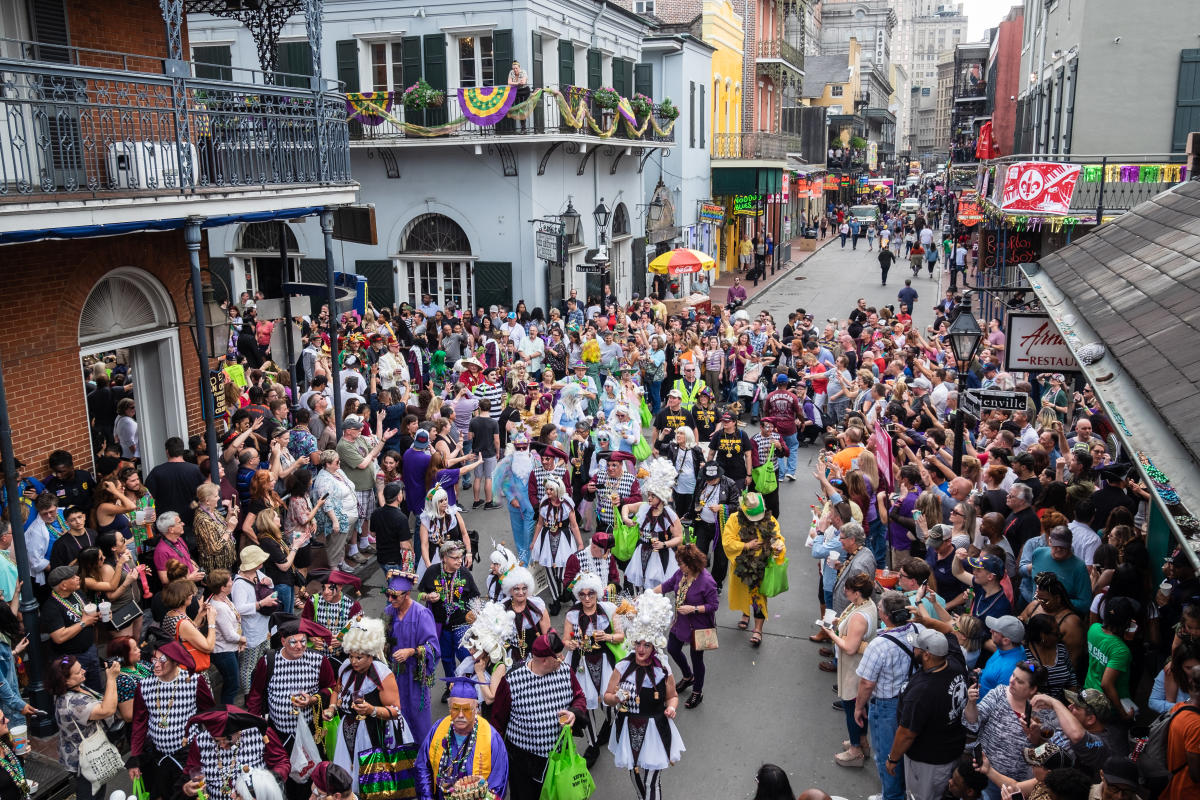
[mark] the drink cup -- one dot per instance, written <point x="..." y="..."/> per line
<point x="90" y="608"/>
<point x="105" y="611"/>
<point x="20" y="737"/>
<point x="830" y="616"/>
<point x="140" y="516"/>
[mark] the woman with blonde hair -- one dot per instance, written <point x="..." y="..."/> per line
<point x="440" y="522"/>
<point x="281" y="556"/>
<point x="215" y="545"/>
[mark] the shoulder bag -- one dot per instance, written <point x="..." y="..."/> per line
<point x="99" y="759"/>
<point x="765" y="478"/>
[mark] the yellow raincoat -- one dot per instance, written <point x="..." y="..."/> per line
<point x="741" y="597"/>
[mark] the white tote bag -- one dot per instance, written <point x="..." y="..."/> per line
<point x="99" y="759"/>
<point x="305" y="755"/>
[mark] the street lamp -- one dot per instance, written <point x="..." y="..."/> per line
<point x="570" y="221"/>
<point x="601" y="215"/>
<point x="965" y="336"/>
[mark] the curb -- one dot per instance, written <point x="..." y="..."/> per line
<point x="779" y="276"/>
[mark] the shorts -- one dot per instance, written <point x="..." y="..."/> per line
<point x="366" y="503"/>
<point x="487" y="468"/>
<point x="745" y="261"/>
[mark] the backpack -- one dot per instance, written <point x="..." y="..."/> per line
<point x="1152" y="761"/>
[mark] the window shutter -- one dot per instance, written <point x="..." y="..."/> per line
<point x="410" y="47"/>
<point x="435" y="73"/>
<point x="49" y="19"/>
<point x="692" y="114"/>
<point x="1187" y="100"/>
<point x="502" y="55"/>
<point x="213" y="62"/>
<point x="566" y="62"/>
<point x="595" y="74"/>
<point x="294" y="59"/>
<point x="701" y="110"/>
<point x="643" y="79"/>
<point x="347" y="64"/>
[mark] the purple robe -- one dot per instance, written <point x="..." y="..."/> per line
<point x="414" y="677"/>
<point x="427" y="773"/>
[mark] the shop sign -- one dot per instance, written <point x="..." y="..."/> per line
<point x="800" y="187"/>
<point x="831" y="183"/>
<point x="1039" y="187"/>
<point x="546" y="242"/>
<point x="1035" y="345"/>
<point x="786" y="183"/>
<point x="968" y="212"/>
<point x="216" y="384"/>
<point x="746" y="205"/>
<point x="1018" y="248"/>
<point x="845" y="180"/>
<point x="712" y="213"/>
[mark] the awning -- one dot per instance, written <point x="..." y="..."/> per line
<point x="141" y="226"/>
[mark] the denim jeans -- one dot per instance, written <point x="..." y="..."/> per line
<point x="787" y="466"/>
<point x="883" y="718"/>
<point x="466" y="449"/>
<point x="287" y="598"/>
<point x="227" y="667"/>
<point x="853" y="730"/>
<point x="452" y="652"/>
<point x="877" y="541"/>
<point x="655" y="392"/>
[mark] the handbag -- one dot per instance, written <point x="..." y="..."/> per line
<point x="775" y="578"/>
<point x="705" y="639"/>
<point x="305" y="753"/>
<point x="641" y="450"/>
<point x="625" y="537"/>
<point x="331" y="727"/>
<point x="124" y="616"/>
<point x="567" y="776"/>
<point x="99" y="759"/>
<point x="387" y="772"/>
<point x="644" y="409"/>
<point x="203" y="660"/>
<point x="766" y="480"/>
<point x="140" y="792"/>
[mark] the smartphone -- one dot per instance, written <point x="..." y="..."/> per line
<point x="325" y="496"/>
<point x="1016" y="794"/>
<point x="977" y="753"/>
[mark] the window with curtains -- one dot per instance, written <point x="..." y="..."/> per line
<point x="387" y="66"/>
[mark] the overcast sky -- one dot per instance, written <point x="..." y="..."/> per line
<point x="984" y="14"/>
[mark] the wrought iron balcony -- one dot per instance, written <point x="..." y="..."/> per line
<point x="1111" y="184"/>
<point x="780" y="50"/>
<point x="102" y="124"/>
<point x="761" y="145"/>
<point x="447" y="123"/>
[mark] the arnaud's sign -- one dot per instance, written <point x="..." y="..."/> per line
<point x="1035" y="345"/>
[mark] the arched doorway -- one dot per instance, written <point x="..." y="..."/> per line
<point x="620" y="254"/>
<point x="127" y="326"/>
<point x="255" y="263"/>
<point x="435" y="259"/>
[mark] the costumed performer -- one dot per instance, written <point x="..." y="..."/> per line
<point x="592" y="632"/>
<point x="463" y="753"/>
<point x="512" y="478"/>
<point x="750" y="537"/>
<point x="440" y="522"/>
<point x="530" y="615"/>
<point x="412" y="643"/>
<point x="659" y="529"/>
<point x="227" y="743"/>
<point x="556" y="535"/>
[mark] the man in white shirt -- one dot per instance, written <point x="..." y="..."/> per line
<point x="1084" y="540"/>
<point x="392" y="368"/>
<point x="1029" y="436"/>
<point x="428" y="308"/>
<point x="937" y="397"/>
<point x="513" y="328"/>
<point x="533" y="350"/>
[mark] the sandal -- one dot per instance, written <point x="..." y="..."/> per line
<point x="844" y="759"/>
<point x="756" y="638"/>
<point x="743" y="623"/>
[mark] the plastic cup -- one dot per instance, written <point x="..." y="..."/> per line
<point x="105" y="611"/>
<point x="20" y="738"/>
<point x="139" y="516"/>
<point x="90" y="608"/>
<point x="830" y="615"/>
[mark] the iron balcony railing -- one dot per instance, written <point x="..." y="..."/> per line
<point x="1109" y="184"/>
<point x="781" y="50"/>
<point x="92" y="124"/>
<point x="546" y="119"/>
<point x="754" y="144"/>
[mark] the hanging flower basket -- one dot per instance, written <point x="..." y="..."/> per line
<point x="606" y="97"/>
<point x="667" y="109"/>
<point x="642" y="105"/>
<point x="422" y="95"/>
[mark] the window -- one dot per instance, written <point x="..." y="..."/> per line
<point x="213" y="62"/>
<point x="836" y="90"/>
<point x="643" y="6"/>
<point x="475" y="66"/>
<point x="387" y="66"/>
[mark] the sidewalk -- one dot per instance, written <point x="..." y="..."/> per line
<point x="720" y="289"/>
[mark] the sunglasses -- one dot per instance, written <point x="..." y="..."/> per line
<point x="391" y="595"/>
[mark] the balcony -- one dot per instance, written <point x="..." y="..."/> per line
<point x="780" y="51"/>
<point x="446" y="124"/>
<point x="754" y="145"/>
<point x="1110" y="184"/>
<point x="108" y="125"/>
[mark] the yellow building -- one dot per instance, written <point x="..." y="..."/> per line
<point x="721" y="27"/>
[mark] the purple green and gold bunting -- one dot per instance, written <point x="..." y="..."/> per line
<point x="486" y="105"/>
<point x="365" y="107"/>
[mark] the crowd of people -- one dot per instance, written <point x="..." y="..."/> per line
<point x="992" y="630"/>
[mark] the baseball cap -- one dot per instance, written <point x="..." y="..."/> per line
<point x="675" y="393"/>
<point x="921" y="383"/>
<point x="990" y="563"/>
<point x="352" y="421"/>
<point x="1093" y="700"/>
<point x="938" y="533"/>
<point x="781" y="378"/>
<point x="712" y="470"/>
<point x="1007" y="626"/>
<point x="1120" y="771"/>
<point x="1060" y="537"/>
<point x="989" y="367"/>
<point x="933" y="642"/>
<point x="727" y="417"/>
<point x="421" y="440"/>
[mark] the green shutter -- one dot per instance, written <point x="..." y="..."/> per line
<point x="502" y="55"/>
<point x="410" y="56"/>
<point x="381" y="290"/>
<point x="643" y="79"/>
<point x="213" y="62"/>
<point x="347" y="64"/>
<point x="493" y="283"/>
<point x="294" y="60"/>
<point x="701" y="113"/>
<point x="435" y="73"/>
<point x="566" y="62"/>
<point x="623" y="77"/>
<point x="1187" y="100"/>
<point x="595" y="75"/>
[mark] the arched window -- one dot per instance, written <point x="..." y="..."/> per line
<point x="434" y="233"/>
<point x="435" y="260"/>
<point x="263" y="237"/>
<point x="620" y="222"/>
<point x="124" y="302"/>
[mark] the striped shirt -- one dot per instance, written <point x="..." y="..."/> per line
<point x="494" y="392"/>
<point x="887" y="664"/>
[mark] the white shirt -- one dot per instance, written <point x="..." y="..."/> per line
<point x="1084" y="541"/>
<point x="393" y="370"/>
<point x="926" y="237"/>
<point x="533" y="350"/>
<point x="938" y="397"/>
<point x="514" y="331"/>
<point x="37" y="542"/>
<point x="126" y="432"/>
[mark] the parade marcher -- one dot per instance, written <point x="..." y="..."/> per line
<point x="592" y="632"/>
<point x="769" y="450"/>
<point x="331" y="782"/>
<point x="750" y="538"/>
<point x="441" y="522"/>
<point x="499" y="563"/>
<point x="412" y="648"/>
<point x="596" y="558"/>
<point x="462" y="750"/>
<point x="553" y="462"/>
<point x="512" y="479"/>
<point x="532" y="704"/>
<point x="715" y="498"/>
<point x="448" y="589"/>
<point x="614" y="489"/>
<point x="556" y="534"/>
<point x="162" y="704"/>
<point x="226" y="743"/>
<point x="367" y="698"/>
<point x="531" y="617"/>
<point x="290" y="686"/>
<point x="488" y="641"/>
<point x="659" y="529"/>
<point x="696" y="601"/>
<point x="646" y="741"/>
<point x="332" y="608"/>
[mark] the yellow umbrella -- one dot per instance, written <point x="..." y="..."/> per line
<point x="681" y="261"/>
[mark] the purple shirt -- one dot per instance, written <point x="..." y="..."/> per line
<point x="414" y="464"/>
<point x="702" y="592"/>
<point x="897" y="533"/>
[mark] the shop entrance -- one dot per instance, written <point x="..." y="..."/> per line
<point x="128" y="325"/>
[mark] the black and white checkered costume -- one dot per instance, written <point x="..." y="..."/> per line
<point x="170" y="705"/>
<point x="222" y="767"/>
<point x="540" y="475"/>
<point x="291" y="677"/>
<point x="605" y="488"/>
<point x="536" y="700"/>
<point x="333" y="616"/>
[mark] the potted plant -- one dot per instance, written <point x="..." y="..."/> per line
<point x="606" y="97"/>
<point x="858" y="143"/>
<point x="641" y="105"/>
<point x="667" y="110"/>
<point x="422" y="95"/>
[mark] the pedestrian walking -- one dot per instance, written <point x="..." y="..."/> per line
<point x="843" y="231"/>
<point x="855" y="232"/>
<point x="886" y="257"/>
<point x="871" y="236"/>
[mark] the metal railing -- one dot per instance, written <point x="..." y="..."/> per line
<point x="92" y="124"/>
<point x="754" y="144"/>
<point x="1105" y="195"/>
<point x="546" y="119"/>
<point x="782" y="50"/>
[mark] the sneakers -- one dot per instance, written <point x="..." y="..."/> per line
<point x="790" y="477"/>
<point x="346" y="567"/>
<point x="477" y="504"/>
<point x="491" y="506"/>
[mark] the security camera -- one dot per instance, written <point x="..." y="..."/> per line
<point x="1116" y="40"/>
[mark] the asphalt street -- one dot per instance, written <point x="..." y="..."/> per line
<point x="771" y="704"/>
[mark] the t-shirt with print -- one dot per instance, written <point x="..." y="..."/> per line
<point x="932" y="706"/>
<point x="666" y="418"/>
<point x="729" y="450"/>
<point x="1106" y="651"/>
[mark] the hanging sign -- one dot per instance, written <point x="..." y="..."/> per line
<point x="712" y="213"/>
<point x="1035" y="345"/>
<point x="968" y="212"/>
<point x="1016" y="247"/>
<point x="1040" y="187"/>
<point x="831" y="183"/>
<point x="216" y="384"/>
<point x="800" y="187"/>
<point x="746" y="205"/>
<point x="547" y="244"/>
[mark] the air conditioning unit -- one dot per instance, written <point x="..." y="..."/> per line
<point x="147" y="165"/>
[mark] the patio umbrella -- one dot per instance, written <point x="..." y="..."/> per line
<point x="681" y="261"/>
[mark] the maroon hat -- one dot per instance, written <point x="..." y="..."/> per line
<point x="224" y="720"/>
<point x="179" y="654"/>
<point x="315" y="630"/>
<point x="603" y="540"/>
<point x="340" y="578"/>
<point x="331" y="779"/>
<point x="620" y="456"/>
<point x="554" y="452"/>
<point x="541" y="647"/>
